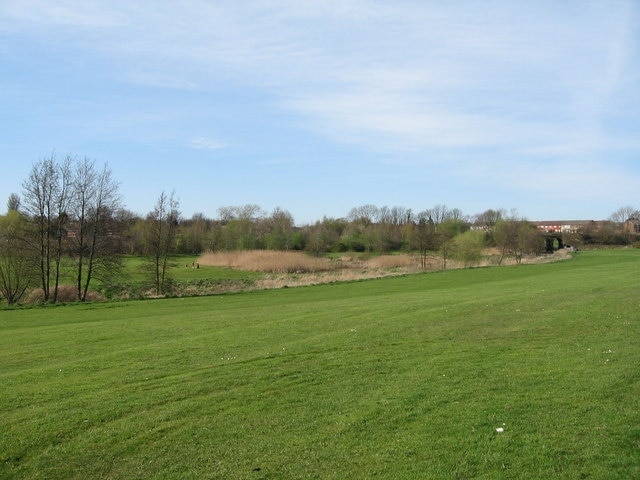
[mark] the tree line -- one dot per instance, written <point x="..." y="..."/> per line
<point x="70" y="221"/>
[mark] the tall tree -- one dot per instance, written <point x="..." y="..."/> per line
<point x="13" y="203"/>
<point x="324" y="235"/>
<point x="280" y="228"/>
<point x="488" y="219"/>
<point x="193" y="234"/>
<point x="446" y="231"/>
<point x="623" y="214"/>
<point x="364" y="215"/>
<point x="424" y="236"/>
<point x="162" y="225"/>
<point x="439" y="213"/>
<point x="46" y="202"/>
<point x="517" y="238"/>
<point x="95" y="200"/>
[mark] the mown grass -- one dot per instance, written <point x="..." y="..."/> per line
<point x="402" y="378"/>
<point x="137" y="278"/>
<point x="181" y="268"/>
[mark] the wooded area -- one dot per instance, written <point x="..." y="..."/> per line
<point x="71" y="217"/>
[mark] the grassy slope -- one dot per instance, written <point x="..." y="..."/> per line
<point x="396" y="378"/>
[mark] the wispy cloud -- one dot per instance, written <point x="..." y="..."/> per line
<point x="20" y="14"/>
<point x="205" y="143"/>
<point x="409" y="75"/>
<point x="529" y="78"/>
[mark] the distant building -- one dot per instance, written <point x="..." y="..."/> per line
<point x="631" y="226"/>
<point x="563" y="226"/>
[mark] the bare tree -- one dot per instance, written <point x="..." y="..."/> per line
<point x="365" y="214"/>
<point x="439" y="213"/>
<point x="517" y="238"/>
<point x="324" y="235"/>
<point x="488" y="220"/>
<point x="457" y="214"/>
<point x="241" y="226"/>
<point x="623" y="214"/>
<point x="193" y="237"/>
<point x="13" y="203"/>
<point x="95" y="199"/>
<point x="162" y="225"/>
<point x="46" y="202"/>
<point x="424" y="238"/>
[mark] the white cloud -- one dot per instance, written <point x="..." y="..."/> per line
<point x="205" y="143"/>
<point x="28" y="14"/>
<point x="533" y="77"/>
<point x="566" y="180"/>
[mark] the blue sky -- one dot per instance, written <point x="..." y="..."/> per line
<point x="318" y="106"/>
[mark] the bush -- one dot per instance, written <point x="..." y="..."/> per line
<point x="66" y="293"/>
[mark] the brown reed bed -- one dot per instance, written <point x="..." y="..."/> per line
<point x="293" y="269"/>
<point x="268" y="261"/>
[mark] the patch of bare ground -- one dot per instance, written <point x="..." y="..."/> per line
<point x="294" y="269"/>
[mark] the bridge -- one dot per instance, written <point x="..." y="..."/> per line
<point x="553" y="241"/>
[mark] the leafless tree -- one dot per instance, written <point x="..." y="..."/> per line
<point x="623" y="214"/>
<point x="424" y="238"/>
<point x="95" y="199"/>
<point x="46" y="194"/>
<point x="226" y="214"/>
<point x="517" y="238"/>
<point x="365" y="214"/>
<point x="162" y="225"/>
<point x="13" y="203"/>
<point x="439" y="213"/>
<point x="488" y="219"/>
<point x="241" y="227"/>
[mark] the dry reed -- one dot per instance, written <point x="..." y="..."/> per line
<point x="66" y="293"/>
<point x="268" y="261"/>
<point x="393" y="261"/>
<point x="293" y="269"/>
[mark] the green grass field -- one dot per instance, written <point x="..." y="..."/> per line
<point x="137" y="278"/>
<point x="136" y="269"/>
<point x="398" y="378"/>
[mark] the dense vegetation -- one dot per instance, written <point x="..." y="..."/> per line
<point x="407" y="377"/>
<point x="68" y="233"/>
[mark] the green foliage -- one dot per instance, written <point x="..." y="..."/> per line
<point x="398" y="378"/>
<point x="16" y="272"/>
<point x="468" y="247"/>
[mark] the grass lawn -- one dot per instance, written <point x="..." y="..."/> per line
<point x="398" y="378"/>
<point x="136" y="269"/>
<point x="137" y="279"/>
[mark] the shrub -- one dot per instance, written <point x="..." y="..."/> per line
<point x="66" y="293"/>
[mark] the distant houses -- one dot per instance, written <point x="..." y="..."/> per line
<point x="564" y="226"/>
<point x="632" y="225"/>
